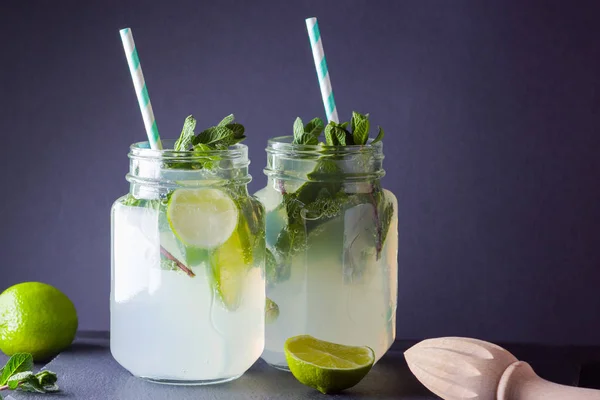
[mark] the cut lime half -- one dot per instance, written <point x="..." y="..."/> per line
<point x="202" y="217"/>
<point x="325" y="366"/>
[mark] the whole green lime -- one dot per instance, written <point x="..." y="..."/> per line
<point x="36" y="318"/>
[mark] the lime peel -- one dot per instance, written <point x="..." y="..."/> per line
<point x="326" y="366"/>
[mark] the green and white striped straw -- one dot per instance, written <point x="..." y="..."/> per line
<point x="316" y="43"/>
<point x="140" y="89"/>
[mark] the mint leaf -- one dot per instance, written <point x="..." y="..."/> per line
<point x="314" y="127"/>
<point x="330" y="138"/>
<point x="214" y="136"/>
<point x="340" y="134"/>
<point x="187" y="135"/>
<point x="386" y="214"/>
<point x="237" y="129"/>
<point x="298" y="130"/>
<point x="46" y="378"/>
<point x="380" y="135"/>
<point x="42" y="382"/>
<point x="304" y="134"/>
<point x="356" y="118"/>
<point x="24" y="377"/>
<point x="309" y="139"/>
<point x="201" y="147"/>
<point x="360" y="133"/>
<point x="19" y="362"/>
<point x="227" y="120"/>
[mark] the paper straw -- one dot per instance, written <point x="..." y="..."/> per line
<point x="316" y="43"/>
<point x="141" y="90"/>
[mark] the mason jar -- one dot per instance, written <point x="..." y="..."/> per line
<point x="188" y="250"/>
<point x="332" y="242"/>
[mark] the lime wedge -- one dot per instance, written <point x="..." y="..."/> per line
<point x="325" y="366"/>
<point x="229" y="270"/>
<point x="202" y="217"/>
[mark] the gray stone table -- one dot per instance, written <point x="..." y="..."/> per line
<point x="87" y="371"/>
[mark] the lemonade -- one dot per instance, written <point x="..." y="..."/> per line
<point x="332" y="239"/>
<point x="334" y="289"/>
<point x="188" y="250"/>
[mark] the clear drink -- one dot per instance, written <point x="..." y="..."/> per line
<point x="337" y="281"/>
<point x="187" y="313"/>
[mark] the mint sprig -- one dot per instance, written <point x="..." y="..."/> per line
<point x="323" y="197"/>
<point x="219" y="137"/>
<point x="338" y="134"/>
<point x="17" y="375"/>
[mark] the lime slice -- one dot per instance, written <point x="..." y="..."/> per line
<point x="229" y="270"/>
<point x="202" y="217"/>
<point x="325" y="366"/>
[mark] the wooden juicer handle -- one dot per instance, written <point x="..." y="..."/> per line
<point x="520" y="382"/>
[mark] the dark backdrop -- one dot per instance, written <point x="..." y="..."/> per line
<point x="491" y="109"/>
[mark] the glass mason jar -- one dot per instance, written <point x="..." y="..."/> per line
<point x="188" y="249"/>
<point x="332" y="242"/>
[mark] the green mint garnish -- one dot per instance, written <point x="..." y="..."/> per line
<point x="19" y="362"/>
<point x="219" y="137"/>
<point x="323" y="197"/>
<point x="17" y="375"/>
<point x="187" y="135"/>
<point x="308" y="134"/>
<point x="337" y="134"/>
<point x="226" y="133"/>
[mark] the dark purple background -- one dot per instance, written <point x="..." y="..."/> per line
<point x="493" y="146"/>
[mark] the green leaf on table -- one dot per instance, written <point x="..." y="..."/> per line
<point x="187" y="135"/>
<point x="42" y="382"/>
<point x="18" y="362"/>
<point x="46" y="379"/>
<point x="22" y="378"/>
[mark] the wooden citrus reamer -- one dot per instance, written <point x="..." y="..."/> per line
<point x="457" y="368"/>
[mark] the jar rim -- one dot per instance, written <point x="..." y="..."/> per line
<point x="284" y="144"/>
<point x="142" y="150"/>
